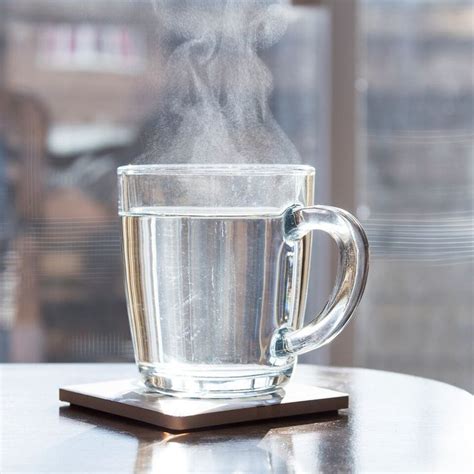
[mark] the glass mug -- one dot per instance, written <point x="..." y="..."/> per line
<point x="216" y="272"/>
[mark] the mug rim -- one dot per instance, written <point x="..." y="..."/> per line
<point x="219" y="169"/>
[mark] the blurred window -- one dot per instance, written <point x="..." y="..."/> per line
<point x="80" y="84"/>
<point x="91" y="47"/>
<point x="416" y="186"/>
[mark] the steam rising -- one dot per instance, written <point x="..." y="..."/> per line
<point x="215" y="104"/>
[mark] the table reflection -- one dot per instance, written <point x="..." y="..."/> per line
<point x="288" y="445"/>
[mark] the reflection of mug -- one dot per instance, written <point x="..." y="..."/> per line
<point x="217" y="262"/>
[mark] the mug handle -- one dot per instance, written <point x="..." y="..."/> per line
<point x="351" y="277"/>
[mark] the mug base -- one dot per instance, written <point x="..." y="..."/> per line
<point x="209" y="385"/>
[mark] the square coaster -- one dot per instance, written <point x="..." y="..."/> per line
<point x="129" y="399"/>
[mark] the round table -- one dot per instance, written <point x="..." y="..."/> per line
<point x="395" y="423"/>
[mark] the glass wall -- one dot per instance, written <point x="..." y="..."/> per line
<point x="416" y="182"/>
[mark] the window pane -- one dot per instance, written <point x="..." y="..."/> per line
<point x="416" y="187"/>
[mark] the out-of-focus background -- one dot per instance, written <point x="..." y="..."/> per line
<point x="377" y="94"/>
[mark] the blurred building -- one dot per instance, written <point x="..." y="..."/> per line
<point x="78" y="79"/>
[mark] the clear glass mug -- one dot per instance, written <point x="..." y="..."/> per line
<point x="216" y="272"/>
